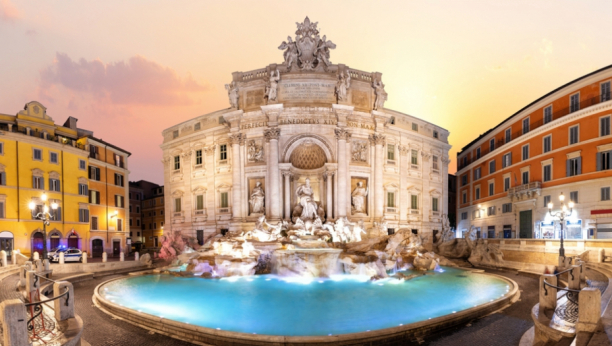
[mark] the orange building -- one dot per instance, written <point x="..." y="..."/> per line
<point x="558" y="144"/>
<point x="108" y="189"/>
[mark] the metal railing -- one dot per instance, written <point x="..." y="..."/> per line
<point x="43" y="135"/>
<point x="572" y="294"/>
<point x="36" y="308"/>
<point x="499" y="142"/>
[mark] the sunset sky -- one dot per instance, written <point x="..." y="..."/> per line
<point x="129" y="69"/>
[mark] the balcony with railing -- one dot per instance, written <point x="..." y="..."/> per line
<point x="592" y="101"/>
<point x="529" y="190"/>
<point x="42" y="135"/>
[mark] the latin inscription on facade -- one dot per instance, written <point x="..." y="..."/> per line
<point x="317" y="92"/>
<point x="314" y="121"/>
<point x="360" y="125"/>
<point x="253" y="125"/>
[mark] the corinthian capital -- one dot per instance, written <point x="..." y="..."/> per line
<point x="342" y="134"/>
<point x="272" y="133"/>
<point x="210" y="150"/>
<point x="446" y="160"/>
<point x="377" y="139"/>
<point x="237" y="138"/>
<point x="404" y="150"/>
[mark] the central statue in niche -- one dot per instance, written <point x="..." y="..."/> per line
<point x="307" y="209"/>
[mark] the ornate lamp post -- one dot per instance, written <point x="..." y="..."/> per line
<point x="45" y="215"/>
<point x="561" y="215"/>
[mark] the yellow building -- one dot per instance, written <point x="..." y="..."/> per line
<point x="40" y="157"/>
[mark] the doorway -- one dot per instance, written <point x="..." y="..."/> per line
<point x="525" y="225"/>
<point x="37" y="243"/>
<point x="6" y="243"/>
<point x="97" y="247"/>
<point x="73" y="241"/>
<point x="200" y="235"/>
<point x="54" y="240"/>
<point x="116" y="248"/>
<point x="155" y="242"/>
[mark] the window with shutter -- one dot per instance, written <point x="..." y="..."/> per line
<point x="604" y="126"/>
<point x="1" y="210"/>
<point x="390" y="199"/>
<point x="200" y="202"/>
<point x="3" y="178"/>
<point x="547" y="114"/>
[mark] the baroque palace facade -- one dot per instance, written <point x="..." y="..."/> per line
<point x="558" y="144"/>
<point x="84" y="175"/>
<point x="301" y="138"/>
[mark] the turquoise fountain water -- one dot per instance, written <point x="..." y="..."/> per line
<point x="272" y="305"/>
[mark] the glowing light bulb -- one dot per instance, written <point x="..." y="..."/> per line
<point x="43" y="197"/>
<point x="564" y="208"/>
<point x="32" y="205"/>
<point x="46" y="209"/>
<point x="571" y="205"/>
<point x="550" y="205"/>
<point x="54" y="206"/>
<point x="561" y="197"/>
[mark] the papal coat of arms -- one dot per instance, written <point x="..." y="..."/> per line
<point x="308" y="51"/>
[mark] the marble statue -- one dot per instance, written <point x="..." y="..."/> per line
<point x="381" y="95"/>
<point x="358" y="197"/>
<point x="322" y="52"/>
<point x="305" y="196"/>
<point x="358" y="229"/>
<point x="232" y="92"/>
<point x="381" y="228"/>
<point x="359" y="152"/>
<point x="272" y="85"/>
<point x="308" y="50"/>
<point x="257" y="199"/>
<point x="290" y="54"/>
<point x="255" y="153"/>
<point x="342" y="86"/>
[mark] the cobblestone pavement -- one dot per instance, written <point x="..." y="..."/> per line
<point x="101" y="330"/>
<point x="499" y="329"/>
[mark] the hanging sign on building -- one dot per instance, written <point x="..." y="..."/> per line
<point x="547" y="224"/>
<point x="575" y="223"/>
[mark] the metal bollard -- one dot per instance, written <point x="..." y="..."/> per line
<point x="14" y="323"/>
<point x="104" y="257"/>
<point x="548" y="295"/>
<point x="64" y="306"/>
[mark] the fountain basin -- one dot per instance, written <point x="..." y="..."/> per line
<point x="267" y="309"/>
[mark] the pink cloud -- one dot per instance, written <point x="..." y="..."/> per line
<point x="8" y="11"/>
<point x="138" y="81"/>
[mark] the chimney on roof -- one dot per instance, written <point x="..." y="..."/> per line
<point x="71" y="123"/>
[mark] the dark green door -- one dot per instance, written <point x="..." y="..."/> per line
<point x="525" y="226"/>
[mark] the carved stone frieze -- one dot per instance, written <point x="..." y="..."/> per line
<point x="210" y="150"/>
<point x="272" y="133"/>
<point x="359" y="151"/>
<point x="232" y="93"/>
<point x="403" y="150"/>
<point x="425" y="156"/>
<point x="255" y="152"/>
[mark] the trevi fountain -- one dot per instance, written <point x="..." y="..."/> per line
<point x="307" y="213"/>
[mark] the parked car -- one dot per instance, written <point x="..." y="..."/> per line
<point x="70" y="255"/>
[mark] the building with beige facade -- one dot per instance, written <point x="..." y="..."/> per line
<point x="305" y="139"/>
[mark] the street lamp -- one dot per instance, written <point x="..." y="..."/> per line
<point x="44" y="215"/>
<point x="561" y="215"/>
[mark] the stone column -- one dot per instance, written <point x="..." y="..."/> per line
<point x="348" y="178"/>
<point x="211" y="208"/>
<point x="445" y="161"/>
<point x="272" y="135"/>
<point x="328" y="176"/>
<point x="342" y="136"/>
<point x="287" y="176"/>
<point x="235" y="140"/>
<point x="244" y="185"/>
<point x="378" y="141"/>
<point x="403" y="197"/>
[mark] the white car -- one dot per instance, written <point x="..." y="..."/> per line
<point x="70" y="255"/>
